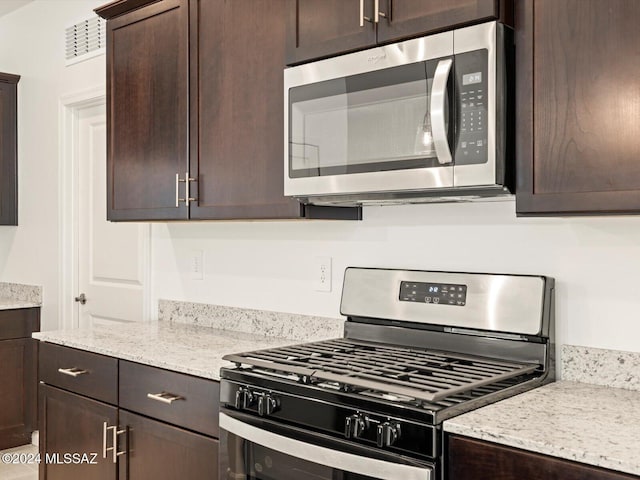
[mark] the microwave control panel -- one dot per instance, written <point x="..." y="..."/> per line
<point x="471" y="87"/>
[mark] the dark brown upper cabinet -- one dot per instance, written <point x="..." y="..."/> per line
<point x="323" y="28"/>
<point x="237" y="107"/>
<point x="147" y="109"/>
<point x="195" y="111"/>
<point x="578" y="107"/>
<point x="8" y="149"/>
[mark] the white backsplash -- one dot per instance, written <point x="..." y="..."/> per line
<point x="20" y="292"/>
<point x="611" y="368"/>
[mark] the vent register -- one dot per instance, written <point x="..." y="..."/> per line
<point x="85" y="40"/>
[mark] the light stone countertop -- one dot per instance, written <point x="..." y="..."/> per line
<point x="12" y="303"/>
<point x="182" y="348"/>
<point x="591" y="424"/>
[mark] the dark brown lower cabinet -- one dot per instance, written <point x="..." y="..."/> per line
<point x="159" y="451"/>
<point x="91" y="403"/>
<point x="72" y="424"/>
<point x="469" y="459"/>
<point x="17" y="392"/>
<point x="18" y="376"/>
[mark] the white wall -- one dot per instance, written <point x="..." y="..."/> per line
<point x="596" y="261"/>
<point x="32" y="45"/>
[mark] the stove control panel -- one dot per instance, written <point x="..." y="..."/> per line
<point x="435" y="293"/>
<point x="325" y="412"/>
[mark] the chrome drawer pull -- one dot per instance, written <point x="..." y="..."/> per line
<point x="72" y="372"/>
<point x="164" y="397"/>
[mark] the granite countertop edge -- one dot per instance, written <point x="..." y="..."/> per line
<point x="13" y="304"/>
<point x="517" y="422"/>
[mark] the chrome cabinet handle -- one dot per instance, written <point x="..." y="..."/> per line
<point x="389" y="12"/>
<point x="437" y="107"/>
<point x="376" y="11"/>
<point x="104" y="439"/>
<point x="114" y="439"/>
<point x="187" y="195"/>
<point x="72" y="372"/>
<point x="362" y="17"/>
<point x="177" y="189"/>
<point x="164" y="397"/>
<point x="187" y="198"/>
<point x="116" y="453"/>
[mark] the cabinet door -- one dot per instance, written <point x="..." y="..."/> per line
<point x="71" y="424"/>
<point x="469" y="459"/>
<point x="17" y="391"/>
<point x="411" y="18"/>
<point x="322" y="28"/>
<point x="578" y="103"/>
<point x="237" y="106"/>
<point x="8" y="150"/>
<point x="161" y="452"/>
<point x="147" y="111"/>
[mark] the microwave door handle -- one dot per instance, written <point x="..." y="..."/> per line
<point x="438" y="114"/>
<point x="366" y="466"/>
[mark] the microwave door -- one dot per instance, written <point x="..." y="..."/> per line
<point x="382" y="131"/>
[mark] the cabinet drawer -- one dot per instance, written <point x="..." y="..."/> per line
<point x="176" y="398"/>
<point x="19" y="323"/>
<point x="86" y="373"/>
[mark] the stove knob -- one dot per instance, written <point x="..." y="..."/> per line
<point x="272" y="404"/>
<point x="267" y="405"/>
<point x="388" y="433"/>
<point x="248" y="398"/>
<point x="239" y="398"/>
<point x="355" y="425"/>
<point x="244" y="398"/>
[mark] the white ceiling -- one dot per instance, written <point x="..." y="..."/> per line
<point x="7" y="6"/>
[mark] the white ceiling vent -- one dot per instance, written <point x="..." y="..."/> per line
<point x="85" y="40"/>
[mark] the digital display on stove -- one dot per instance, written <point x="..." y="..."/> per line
<point x="436" y="293"/>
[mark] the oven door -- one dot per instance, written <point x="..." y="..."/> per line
<point x="257" y="449"/>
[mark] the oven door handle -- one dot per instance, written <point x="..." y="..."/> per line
<point x="369" y="467"/>
<point x="438" y="114"/>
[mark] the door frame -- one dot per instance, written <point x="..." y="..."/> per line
<point x="71" y="107"/>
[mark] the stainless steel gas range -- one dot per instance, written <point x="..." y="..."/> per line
<point x="419" y="347"/>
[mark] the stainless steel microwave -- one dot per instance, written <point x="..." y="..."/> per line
<point x="422" y="120"/>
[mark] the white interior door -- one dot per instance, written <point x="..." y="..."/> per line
<point x="112" y="258"/>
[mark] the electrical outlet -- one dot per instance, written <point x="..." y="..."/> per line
<point x="196" y="261"/>
<point x="323" y="274"/>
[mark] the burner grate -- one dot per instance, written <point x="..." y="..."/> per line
<point x="426" y="375"/>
